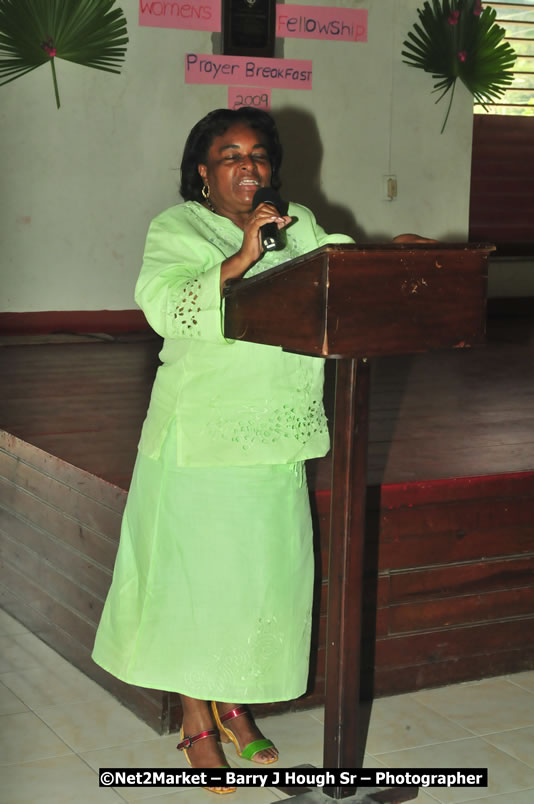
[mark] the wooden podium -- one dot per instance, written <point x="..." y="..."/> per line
<point x="351" y="303"/>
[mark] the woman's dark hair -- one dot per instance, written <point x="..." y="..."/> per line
<point x="214" y="125"/>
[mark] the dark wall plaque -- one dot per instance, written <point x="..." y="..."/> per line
<point x="248" y="27"/>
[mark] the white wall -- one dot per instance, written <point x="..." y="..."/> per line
<point x="511" y="276"/>
<point x="82" y="183"/>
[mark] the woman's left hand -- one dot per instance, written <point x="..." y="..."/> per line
<point x="412" y="238"/>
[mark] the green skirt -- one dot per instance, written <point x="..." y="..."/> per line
<point x="212" y="587"/>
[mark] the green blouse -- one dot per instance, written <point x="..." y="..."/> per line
<point x="231" y="402"/>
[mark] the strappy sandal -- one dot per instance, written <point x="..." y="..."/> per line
<point x="250" y="750"/>
<point x="187" y="742"/>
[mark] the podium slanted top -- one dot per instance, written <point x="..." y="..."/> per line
<point x="365" y="300"/>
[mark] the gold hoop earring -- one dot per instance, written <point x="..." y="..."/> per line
<point x="206" y="197"/>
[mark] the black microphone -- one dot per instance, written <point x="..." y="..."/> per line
<point x="269" y="232"/>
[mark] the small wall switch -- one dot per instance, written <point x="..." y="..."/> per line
<point x="390" y="187"/>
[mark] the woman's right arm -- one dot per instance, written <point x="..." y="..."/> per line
<point x="178" y="288"/>
<point x="180" y="285"/>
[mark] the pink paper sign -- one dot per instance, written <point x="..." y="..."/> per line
<point x="196" y="15"/>
<point x="249" y="96"/>
<point x="243" y="71"/>
<point x="322" y="22"/>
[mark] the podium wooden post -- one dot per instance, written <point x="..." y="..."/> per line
<point x="352" y="303"/>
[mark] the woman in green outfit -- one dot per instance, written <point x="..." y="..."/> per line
<point x="212" y="587"/>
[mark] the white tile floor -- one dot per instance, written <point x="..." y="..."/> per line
<point x="57" y="727"/>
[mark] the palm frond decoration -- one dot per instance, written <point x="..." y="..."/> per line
<point x="458" y="39"/>
<point x="33" y="32"/>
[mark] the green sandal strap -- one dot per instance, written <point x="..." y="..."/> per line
<point x="255" y="747"/>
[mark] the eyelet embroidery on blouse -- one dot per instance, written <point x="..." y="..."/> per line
<point x="184" y="309"/>
<point x="291" y="422"/>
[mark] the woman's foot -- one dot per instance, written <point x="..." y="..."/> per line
<point x="205" y="752"/>
<point x="239" y="727"/>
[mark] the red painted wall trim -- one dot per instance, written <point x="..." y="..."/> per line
<point x="79" y="321"/>
<point x="442" y="490"/>
<point x="112" y="321"/>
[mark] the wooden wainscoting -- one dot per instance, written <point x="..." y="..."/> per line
<point x="59" y="532"/>
<point x="449" y="582"/>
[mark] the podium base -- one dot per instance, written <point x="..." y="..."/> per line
<point x="366" y="795"/>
